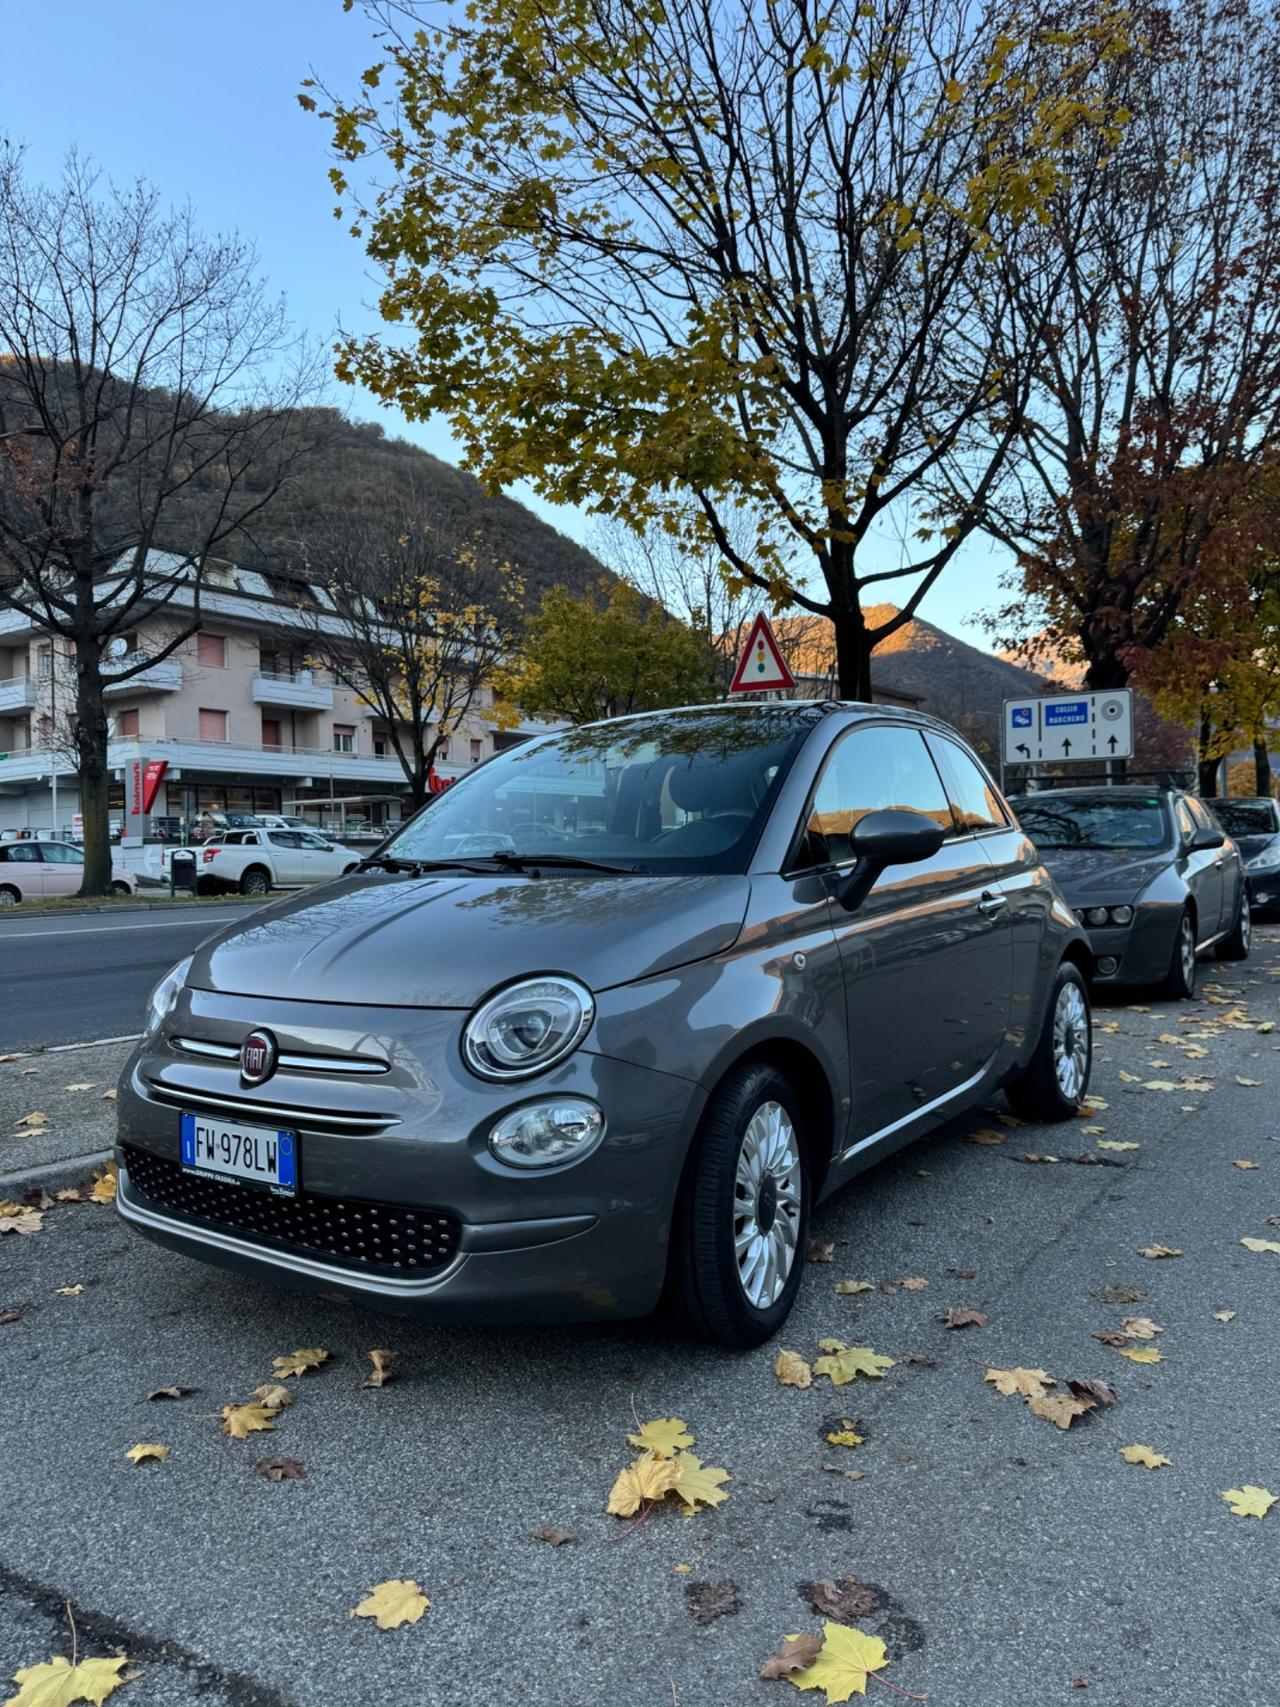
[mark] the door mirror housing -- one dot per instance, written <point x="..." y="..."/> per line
<point x="882" y="839"/>
<point x="1206" y="838"/>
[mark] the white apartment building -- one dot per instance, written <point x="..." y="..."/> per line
<point x="234" y="720"/>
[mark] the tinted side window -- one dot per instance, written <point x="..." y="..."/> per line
<point x="281" y="838"/>
<point x="56" y="854"/>
<point x="870" y="771"/>
<point x="974" y="800"/>
<point x="24" y="854"/>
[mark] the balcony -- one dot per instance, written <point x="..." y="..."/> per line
<point x="298" y="690"/>
<point x="17" y="694"/>
<point x="164" y="677"/>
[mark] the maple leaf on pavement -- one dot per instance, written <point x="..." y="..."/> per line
<point x="273" y="1394"/>
<point x="1261" y="1245"/>
<point x="103" y="1189"/>
<point x="845" y="1601"/>
<point x="1249" y="1501"/>
<point x="1157" y="1251"/>
<point x="843" y="1663"/>
<point x="792" y="1370"/>
<point x="709" y="1601"/>
<point x="381" y="1373"/>
<point x="797" y="1653"/>
<point x="663" y="1437"/>
<point x="57" y="1683"/>
<point x="818" y="1250"/>
<point x="846" y="1288"/>
<point x="1144" y="1455"/>
<point x="17" y="1218"/>
<point x="648" y="1478"/>
<point x="1030" y="1383"/>
<point x="298" y="1362"/>
<point x="1061" y="1409"/>
<point x="845" y="1437"/>
<point x="847" y="1361"/>
<point x="698" y="1483"/>
<point x="1142" y="1354"/>
<point x="280" y="1469"/>
<point x="241" y="1420"/>
<point x="1140" y="1327"/>
<point x="392" y="1604"/>
<point x="139" y="1454"/>
<point x="963" y="1318"/>
<point x="1086" y="1388"/>
<point x="553" y="1537"/>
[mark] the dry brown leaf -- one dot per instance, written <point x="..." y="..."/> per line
<point x="1108" y="1336"/>
<point x="1140" y="1327"/>
<point x="1245" y="1166"/>
<point x="7" y="1316"/>
<point x="81" y="1085"/>
<point x="1085" y="1387"/>
<point x="171" y="1392"/>
<point x="381" y="1372"/>
<point x="1261" y="1245"/>
<point x="299" y="1362"/>
<point x="1117" y="1144"/>
<point x="17" y="1218"/>
<point x="792" y="1370"/>
<point x="1252" y="1084"/>
<point x="108" y="1096"/>
<point x="1032" y="1156"/>
<point x="913" y="1283"/>
<point x="709" y="1601"/>
<point x="797" y="1653"/>
<point x="70" y="1194"/>
<point x="37" y="1117"/>
<point x="1155" y="1252"/>
<point x="846" y="1288"/>
<point x="280" y="1469"/>
<point x="960" y="1317"/>
<point x="555" y="1537"/>
<point x="986" y="1136"/>
<point x="1144" y="1455"/>
<point x="274" y="1394"/>
<point x="922" y="1359"/>
<point x="820" y="1250"/>
<point x="846" y="1601"/>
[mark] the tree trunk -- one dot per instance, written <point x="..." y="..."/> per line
<point x="1262" y="767"/>
<point x="1105" y="673"/>
<point x="853" y="654"/>
<point x="1207" y="768"/>
<point x="91" y="756"/>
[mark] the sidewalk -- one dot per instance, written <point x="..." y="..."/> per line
<point x="79" y="1125"/>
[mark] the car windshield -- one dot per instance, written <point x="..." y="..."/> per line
<point x="1247" y="817"/>
<point x="1094" y="821"/>
<point x="679" y="792"/>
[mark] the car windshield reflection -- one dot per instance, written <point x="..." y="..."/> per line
<point x="1094" y="821"/>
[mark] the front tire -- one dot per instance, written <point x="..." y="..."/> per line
<point x="1236" y="945"/>
<point x="121" y="889"/>
<point x="742" y="1216"/>
<point x="1180" y="979"/>
<point x="1053" y="1083"/>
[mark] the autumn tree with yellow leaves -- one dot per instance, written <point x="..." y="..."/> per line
<point x="698" y="266"/>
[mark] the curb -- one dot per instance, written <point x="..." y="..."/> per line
<point x="136" y="907"/>
<point x="72" y="1167"/>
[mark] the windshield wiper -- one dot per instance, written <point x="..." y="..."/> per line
<point x="389" y="862"/>
<point x="531" y="862"/>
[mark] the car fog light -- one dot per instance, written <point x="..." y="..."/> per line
<point x="540" y="1134"/>
<point x="1095" y="916"/>
<point x="1121" y="915"/>
<point x="1108" y="964"/>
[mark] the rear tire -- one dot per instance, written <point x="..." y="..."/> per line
<point x="1180" y="979"/>
<point x="255" y="881"/>
<point x="8" y="897"/>
<point x="742" y="1216"/>
<point x="1237" y="943"/>
<point x="121" y="889"/>
<point x="1053" y="1083"/>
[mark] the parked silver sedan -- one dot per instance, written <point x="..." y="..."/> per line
<point x="605" y="1019"/>
<point x="1152" y="876"/>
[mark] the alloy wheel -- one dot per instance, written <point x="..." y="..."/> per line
<point x="1187" y="949"/>
<point x="766" y="1206"/>
<point x="1246" y="921"/>
<point x="1070" y="1042"/>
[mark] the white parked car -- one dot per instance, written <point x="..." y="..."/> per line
<point x="255" y="861"/>
<point x="31" y="870"/>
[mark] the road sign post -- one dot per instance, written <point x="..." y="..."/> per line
<point x="1065" y="728"/>
<point x="761" y="668"/>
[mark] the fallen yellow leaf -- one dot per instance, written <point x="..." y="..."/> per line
<point x="1224" y="1315"/>
<point x="986" y="1136"/>
<point x="139" y="1454"/>
<point x="1117" y="1144"/>
<point x="381" y="1371"/>
<point x="648" y="1478"/>
<point x="20" y="1218"/>
<point x="1094" y="1132"/>
<point x="274" y="1394"/>
<point x="846" y="1657"/>
<point x="1061" y="1409"/>
<point x="1160" y="1085"/>
<point x="1144" y="1455"/>
<point x="103" y="1189"/>
<point x="1139" y="1327"/>
<point x="1142" y="1354"/>
<point x="57" y="1683"/>
<point x="83" y="1085"/>
<point x="241" y="1420"/>
<point x="1251" y="1083"/>
<point x="845" y="1437"/>
<point x="846" y="1362"/>
<point x="392" y="1604"/>
<point x="36" y="1118"/>
<point x="1249" y="1501"/>
<point x="1261" y="1245"/>
<point x="298" y="1362"/>
<point x="1246" y="1166"/>
<point x="846" y="1288"/>
<point x="1030" y="1383"/>
<point x="1157" y="1251"/>
<point x="664" y="1437"/>
<point x="69" y="1291"/>
<point x="698" y="1483"/>
<point x="792" y="1370"/>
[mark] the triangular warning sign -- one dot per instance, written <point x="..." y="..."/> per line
<point x="761" y="665"/>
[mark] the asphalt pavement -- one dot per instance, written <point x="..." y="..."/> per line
<point x="1008" y="1562"/>
<point x="79" y="978"/>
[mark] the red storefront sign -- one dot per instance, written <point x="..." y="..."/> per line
<point x="153" y="775"/>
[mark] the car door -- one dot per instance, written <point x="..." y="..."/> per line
<point x="320" y="860"/>
<point x="1201" y="867"/>
<point x="286" y="855"/>
<point x="926" y="956"/>
<point x="22" y="869"/>
<point x="62" y="868"/>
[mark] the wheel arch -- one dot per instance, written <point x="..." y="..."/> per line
<point x="808" y="1076"/>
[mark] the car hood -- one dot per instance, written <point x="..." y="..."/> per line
<point x="444" y="942"/>
<point x="1097" y="871"/>
<point x="1251" y="846"/>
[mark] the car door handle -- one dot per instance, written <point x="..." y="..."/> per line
<point x="992" y="903"/>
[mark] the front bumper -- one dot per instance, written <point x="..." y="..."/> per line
<point x="1137" y="953"/>
<point x="1264" y="890"/>
<point x="408" y="1143"/>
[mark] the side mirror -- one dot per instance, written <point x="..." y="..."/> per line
<point x="881" y="839"/>
<point x="1205" y="839"/>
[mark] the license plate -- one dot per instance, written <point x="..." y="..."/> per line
<point x="248" y="1155"/>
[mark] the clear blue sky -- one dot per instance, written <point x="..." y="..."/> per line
<point x="198" y="97"/>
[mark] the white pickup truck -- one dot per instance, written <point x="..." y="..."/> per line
<point x="256" y="861"/>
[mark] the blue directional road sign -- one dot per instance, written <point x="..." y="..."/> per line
<point x="1065" y="727"/>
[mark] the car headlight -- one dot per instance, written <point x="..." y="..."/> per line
<point x="1267" y="860"/>
<point x="540" y="1134"/>
<point x="1122" y="915"/>
<point x="1107" y="915"/>
<point x="527" y="1027"/>
<point x="1095" y="916"/>
<point x="162" y="1000"/>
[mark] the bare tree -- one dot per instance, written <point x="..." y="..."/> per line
<point x="153" y="400"/>
<point x="420" y="618"/>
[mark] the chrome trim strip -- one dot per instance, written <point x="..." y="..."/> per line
<point x="916" y="1114"/>
<point x="177" y="1096"/>
<point x="350" y="1279"/>
<point x="291" y="1063"/>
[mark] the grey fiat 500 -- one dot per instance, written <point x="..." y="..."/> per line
<point x="604" y="1020"/>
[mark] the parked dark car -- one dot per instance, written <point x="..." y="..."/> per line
<point x="1151" y="874"/>
<point x="549" y="1080"/>
<point x="1254" y="826"/>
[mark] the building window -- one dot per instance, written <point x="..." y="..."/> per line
<point x="271" y="732"/>
<point x="477" y="750"/>
<point x="45" y="656"/>
<point x="211" y="649"/>
<point x="127" y="724"/>
<point x="344" y="737"/>
<point x="379" y="747"/>
<point x="213" y="725"/>
<point x="442" y="753"/>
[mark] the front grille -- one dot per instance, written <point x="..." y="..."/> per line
<point x="353" y="1232"/>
